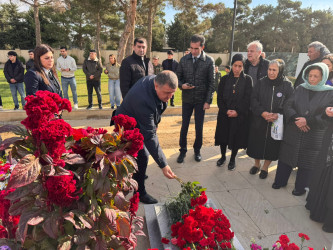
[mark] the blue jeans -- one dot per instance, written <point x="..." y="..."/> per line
<point x="72" y="82"/>
<point x="14" y="87"/>
<point x="114" y="92"/>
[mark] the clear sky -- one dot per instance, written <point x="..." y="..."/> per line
<point x="316" y="5"/>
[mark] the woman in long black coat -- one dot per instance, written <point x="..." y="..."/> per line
<point x="268" y="97"/>
<point x="320" y="198"/>
<point x="306" y="129"/>
<point x="43" y="76"/>
<point x="233" y="100"/>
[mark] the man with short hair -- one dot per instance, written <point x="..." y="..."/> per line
<point x="157" y="66"/>
<point x="14" y="73"/>
<point x="30" y="62"/>
<point x="135" y="66"/>
<point x="170" y="64"/>
<point x="93" y="69"/>
<point x="316" y="51"/>
<point x="255" y="65"/>
<point x="196" y="80"/>
<point x="146" y="101"/>
<point x="67" y="66"/>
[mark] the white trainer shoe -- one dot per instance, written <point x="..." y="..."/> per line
<point x="76" y="106"/>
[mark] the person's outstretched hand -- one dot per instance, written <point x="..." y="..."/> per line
<point x="168" y="172"/>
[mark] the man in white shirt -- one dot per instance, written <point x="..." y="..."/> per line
<point x="67" y="66"/>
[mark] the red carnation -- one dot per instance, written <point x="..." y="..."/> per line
<point x="134" y="141"/>
<point x="123" y="121"/>
<point x="284" y="239"/>
<point x="165" y="241"/>
<point x="303" y="236"/>
<point x="61" y="189"/>
<point x="293" y="246"/>
<point x="134" y="206"/>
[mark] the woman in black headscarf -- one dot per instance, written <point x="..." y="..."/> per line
<point x="233" y="100"/>
<point x="268" y="97"/>
<point x="43" y="76"/>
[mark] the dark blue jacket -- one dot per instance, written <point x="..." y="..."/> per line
<point x="143" y="104"/>
<point x="174" y="67"/>
<point x="34" y="82"/>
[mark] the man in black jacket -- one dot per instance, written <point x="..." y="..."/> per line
<point x="255" y="65"/>
<point x="93" y="69"/>
<point x="14" y="73"/>
<point x="146" y="101"/>
<point x="170" y="64"/>
<point x="135" y="66"/>
<point x="316" y="52"/>
<point x="30" y="62"/>
<point x="196" y="76"/>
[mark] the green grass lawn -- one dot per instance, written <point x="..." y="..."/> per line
<point x="7" y="100"/>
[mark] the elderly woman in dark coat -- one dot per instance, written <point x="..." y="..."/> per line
<point x="268" y="98"/>
<point x="306" y="128"/>
<point x="320" y="198"/>
<point x="43" y="76"/>
<point x="233" y="100"/>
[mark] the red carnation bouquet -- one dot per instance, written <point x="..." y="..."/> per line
<point x="64" y="188"/>
<point x="199" y="227"/>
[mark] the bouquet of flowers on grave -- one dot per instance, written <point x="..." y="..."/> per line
<point x="66" y="187"/>
<point x="195" y="225"/>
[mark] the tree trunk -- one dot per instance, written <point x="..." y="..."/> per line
<point x="130" y="42"/>
<point x="37" y="23"/>
<point x="130" y="24"/>
<point x="150" y="28"/>
<point x="98" y="37"/>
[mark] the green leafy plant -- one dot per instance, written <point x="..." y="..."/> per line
<point x="218" y="61"/>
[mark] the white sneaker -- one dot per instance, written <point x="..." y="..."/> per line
<point x="1" y="108"/>
<point x="76" y="106"/>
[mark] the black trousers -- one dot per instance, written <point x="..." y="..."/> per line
<point x="172" y="99"/>
<point x="0" y="101"/>
<point x="283" y="172"/>
<point x="142" y="161"/>
<point x="199" y="115"/>
<point x="91" y="84"/>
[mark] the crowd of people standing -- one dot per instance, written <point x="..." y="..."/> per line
<point x="258" y="108"/>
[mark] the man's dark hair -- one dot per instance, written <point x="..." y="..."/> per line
<point x="228" y="67"/>
<point x="167" y="77"/>
<point x="140" y="40"/>
<point x="12" y="53"/>
<point x="198" y="38"/>
<point x="63" y="47"/>
<point x="30" y="51"/>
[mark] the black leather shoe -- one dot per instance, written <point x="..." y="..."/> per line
<point x="100" y="106"/>
<point x="197" y="157"/>
<point x="16" y="107"/>
<point x="181" y="157"/>
<point x="254" y="170"/>
<point x="263" y="174"/>
<point x="148" y="199"/>
<point x="146" y="177"/>
<point x="298" y="193"/>
<point x="327" y="229"/>
<point x="220" y="161"/>
<point x="277" y="186"/>
<point x="172" y="104"/>
<point x="231" y="165"/>
<point x="89" y="107"/>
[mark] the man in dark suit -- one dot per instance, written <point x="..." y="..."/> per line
<point x="170" y="64"/>
<point x="135" y="66"/>
<point x="146" y="101"/>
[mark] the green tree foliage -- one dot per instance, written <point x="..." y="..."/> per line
<point x="218" y="61"/>
<point x="179" y="35"/>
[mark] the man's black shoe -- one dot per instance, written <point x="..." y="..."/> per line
<point x="112" y="107"/>
<point x="89" y="107"/>
<point x="220" y="161"/>
<point x="172" y="104"/>
<point x="197" y="157"/>
<point x="100" y="106"/>
<point x="148" y="199"/>
<point x="298" y="193"/>
<point x="231" y="165"/>
<point x="146" y="177"/>
<point x="16" y="108"/>
<point x="181" y="157"/>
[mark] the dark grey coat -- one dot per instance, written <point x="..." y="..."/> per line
<point x="270" y="96"/>
<point x="201" y="75"/>
<point x="299" y="148"/>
